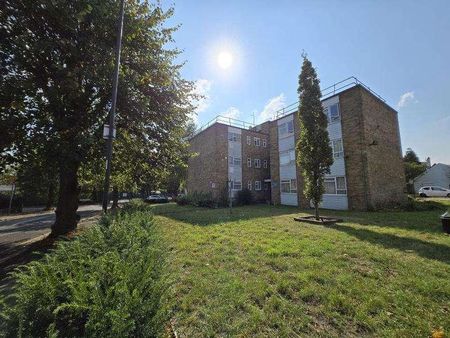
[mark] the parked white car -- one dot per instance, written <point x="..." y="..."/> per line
<point x="434" y="191"/>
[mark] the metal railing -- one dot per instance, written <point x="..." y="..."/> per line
<point x="226" y="120"/>
<point x="326" y="93"/>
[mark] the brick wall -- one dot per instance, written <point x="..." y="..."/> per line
<point x="385" y="169"/>
<point x="251" y="173"/>
<point x="208" y="170"/>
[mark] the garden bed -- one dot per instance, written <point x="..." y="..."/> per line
<point x="323" y="220"/>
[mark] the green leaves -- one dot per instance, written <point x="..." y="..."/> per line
<point x="314" y="154"/>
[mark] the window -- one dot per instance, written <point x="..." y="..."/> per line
<point x="338" y="150"/>
<point x="234" y="137"/>
<point x="330" y="186"/>
<point x="249" y="162"/>
<point x="264" y="143"/>
<point x="265" y="164"/>
<point x="335" y="185"/>
<point x="286" y="128"/>
<point x="257" y="163"/>
<point x="287" y="156"/>
<point x="237" y="185"/>
<point x="294" y="185"/>
<point x="234" y="161"/>
<point x="249" y="185"/>
<point x="334" y="113"/>
<point x="257" y="185"/>
<point x="341" y="186"/>
<point x="285" y="186"/>
<point x="257" y="141"/>
<point x="249" y="140"/>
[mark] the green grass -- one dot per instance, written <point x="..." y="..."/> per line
<point x="257" y="272"/>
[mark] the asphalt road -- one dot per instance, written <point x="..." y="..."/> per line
<point x="15" y="230"/>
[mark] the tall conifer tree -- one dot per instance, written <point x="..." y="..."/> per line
<point x="314" y="154"/>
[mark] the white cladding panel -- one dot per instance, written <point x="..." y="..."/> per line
<point x="286" y="143"/>
<point x="234" y="150"/>
<point x="289" y="199"/>
<point x="336" y="202"/>
<point x="288" y="171"/>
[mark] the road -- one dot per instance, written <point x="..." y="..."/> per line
<point x="17" y="229"/>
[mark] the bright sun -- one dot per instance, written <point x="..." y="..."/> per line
<point x="225" y="59"/>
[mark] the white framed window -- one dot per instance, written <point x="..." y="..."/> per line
<point x="334" y="114"/>
<point x="289" y="186"/>
<point x="257" y="185"/>
<point x="265" y="164"/>
<point x="249" y="185"/>
<point x="293" y="185"/>
<point x="264" y="142"/>
<point x="234" y="161"/>
<point x="249" y="140"/>
<point x="234" y="137"/>
<point x="286" y="128"/>
<point x="337" y="147"/>
<point x="237" y="185"/>
<point x="249" y="162"/>
<point x="257" y="163"/>
<point x="335" y="185"/>
<point x="257" y="141"/>
<point x="287" y="157"/>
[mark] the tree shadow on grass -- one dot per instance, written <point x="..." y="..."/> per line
<point x="429" y="250"/>
<point x="207" y="216"/>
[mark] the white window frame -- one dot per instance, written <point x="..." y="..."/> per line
<point x="257" y="141"/>
<point x="286" y="128"/>
<point x="234" y="137"/>
<point x="292" y="186"/>
<point x="257" y="163"/>
<point x="336" y="118"/>
<point x="249" y="162"/>
<point x="237" y="183"/>
<point x="249" y="185"/>
<point x="264" y="142"/>
<point x="235" y="161"/>
<point x="265" y="164"/>
<point x="337" y="153"/>
<point x="249" y="140"/>
<point x="257" y="185"/>
<point x="291" y="155"/>
<point x="337" y="191"/>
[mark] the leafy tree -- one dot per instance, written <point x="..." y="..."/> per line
<point x="314" y="154"/>
<point x="411" y="156"/>
<point x="57" y="62"/>
<point x="413" y="166"/>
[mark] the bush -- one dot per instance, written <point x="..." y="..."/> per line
<point x="244" y="197"/>
<point x="198" y="199"/>
<point x="107" y="282"/>
<point x="183" y="200"/>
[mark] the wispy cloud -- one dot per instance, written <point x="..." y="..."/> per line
<point x="202" y="88"/>
<point x="231" y="112"/>
<point x="405" y="99"/>
<point x="273" y="105"/>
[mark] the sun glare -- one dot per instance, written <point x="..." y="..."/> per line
<point x="225" y="59"/>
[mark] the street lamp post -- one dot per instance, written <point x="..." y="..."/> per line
<point x="112" y="113"/>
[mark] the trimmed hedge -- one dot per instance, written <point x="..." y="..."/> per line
<point x="107" y="282"/>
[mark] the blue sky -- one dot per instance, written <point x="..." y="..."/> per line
<point x="401" y="49"/>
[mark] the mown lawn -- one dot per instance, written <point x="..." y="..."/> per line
<point x="257" y="272"/>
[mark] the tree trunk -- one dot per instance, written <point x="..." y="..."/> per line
<point x="316" y="207"/>
<point x="66" y="209"/>
<point x="115" y="197"/>
<point x="50" y="196"/>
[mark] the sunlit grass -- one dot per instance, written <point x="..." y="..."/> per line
<point x="257" y="272"/>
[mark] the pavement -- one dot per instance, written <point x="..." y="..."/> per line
<point x="19" y="229"/>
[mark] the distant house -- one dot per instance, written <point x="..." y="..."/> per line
<point x="438" y="175"/>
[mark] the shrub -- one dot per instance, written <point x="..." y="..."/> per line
<point x="107" y="282"/>
<point x="198" y="199"/>
<point x="183" y="200"/>
<point x="244" y="197"/>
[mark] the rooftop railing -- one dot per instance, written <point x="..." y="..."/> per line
<point x="326" y="93"/>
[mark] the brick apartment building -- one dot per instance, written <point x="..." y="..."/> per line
<point x="367" y="172"/>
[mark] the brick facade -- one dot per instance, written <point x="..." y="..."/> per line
<point x="372" y="151"/>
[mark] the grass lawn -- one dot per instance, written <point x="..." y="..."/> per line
<point x="257" y="272"/>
